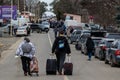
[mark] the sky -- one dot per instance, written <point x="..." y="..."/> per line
<point x="48" y="2"/>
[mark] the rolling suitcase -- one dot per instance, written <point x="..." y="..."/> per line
<point x="68" y="67"/>
<point x="34" y="66"/>
<point x="51" y="66"/>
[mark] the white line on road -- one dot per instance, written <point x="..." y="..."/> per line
<point x="65" y="77"/>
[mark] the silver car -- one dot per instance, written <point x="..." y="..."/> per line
<point x="113" y="54"/>
<point x="96" y="41"/>
<point x="100" y="50"/>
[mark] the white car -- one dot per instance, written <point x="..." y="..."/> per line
<point x="22" y="31"/>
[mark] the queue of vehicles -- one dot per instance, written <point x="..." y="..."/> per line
<point x="23" y="30"/>
<point x="107" y="45"/>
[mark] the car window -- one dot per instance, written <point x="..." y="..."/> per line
<point x="45" y="23"/>
<point x="116" y="36"/>
<point x="109" y="43"/>
<point x="96" y="41"/>
<point x="21" y="28"/>
<point x="78" y="32"/>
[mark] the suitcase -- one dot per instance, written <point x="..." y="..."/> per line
<point x="51" y="66"/>
<point x="34" y="66"/>
<point x="77" y="47"/>
<point x="68" y="67"/>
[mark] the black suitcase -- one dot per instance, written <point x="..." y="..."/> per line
<point x="51" y="67"/>
<point x="68" y="68"/>
<point x="77" y="47"/>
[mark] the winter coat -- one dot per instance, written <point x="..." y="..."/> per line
<point x="19" y="51"/>
<point x="89" y="44"/>
<point x="55" y="47"/>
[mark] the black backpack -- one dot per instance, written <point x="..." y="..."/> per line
<point x="26" y="47"/>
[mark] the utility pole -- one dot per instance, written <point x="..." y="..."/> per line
<point x="24" y="7"/>
<point x="11" y="18"/>
<point x="18" y="13"/>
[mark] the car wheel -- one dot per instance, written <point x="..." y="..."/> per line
<point x="39" y="31"/>
<point x="112" y="62"/>
<point x="95" y="56"/>
<point x="46" y="31"/>
<point x="106" y="61"/>
<point x="100" y="56"/>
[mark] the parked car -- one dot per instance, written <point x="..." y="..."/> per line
<point x="112" y="35"/>
<point x="96" y="41"/>
<point x="21" y="31"/>
<point x="44" y="28"/>
<point x="113" y="54"/>
<point x="81" y="41"/>
<point x="100" y="50"/>
<point x="4" y="28"/>
<point x="74" y="36"/>
<point x="47" y="24"/>
<point x="36" y="27"/>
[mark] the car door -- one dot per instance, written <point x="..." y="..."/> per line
<point x="72" y="36"/>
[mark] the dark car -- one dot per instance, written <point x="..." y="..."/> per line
<point x="113" y="54"/>
<point x="100" y="50"/>
<point x="36" y="27"/>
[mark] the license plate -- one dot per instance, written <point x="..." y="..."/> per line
<point x="118" y="56"/>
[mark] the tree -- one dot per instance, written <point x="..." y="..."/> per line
<point x="42" y="8"/>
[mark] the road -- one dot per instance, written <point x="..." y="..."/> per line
<point x="10" y="67"/>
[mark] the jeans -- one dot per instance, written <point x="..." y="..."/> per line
<point x="60" y="61"/>
<point x="55" y="34"/>
<point x="89" y="55"/>
<point x="26" y="64"/>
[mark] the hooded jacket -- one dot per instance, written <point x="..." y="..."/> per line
<point x="56" y="49"/>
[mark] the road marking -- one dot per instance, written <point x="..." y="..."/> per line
<point x="49" y="40"/>
<point x="65" y="77"/>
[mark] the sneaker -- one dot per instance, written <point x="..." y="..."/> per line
<point x="25" y="74"/>
<point x="29" y="74"/>
<point x="89" y="59"/>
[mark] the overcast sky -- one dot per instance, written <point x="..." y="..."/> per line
<point x="47" y="1"/>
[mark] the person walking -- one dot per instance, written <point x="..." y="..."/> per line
<point x="60" y="48"/>
<point x="27" y="51"/>
<point x="90" y="47"/>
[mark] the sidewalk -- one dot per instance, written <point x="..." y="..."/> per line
<point x="10" y="45"/>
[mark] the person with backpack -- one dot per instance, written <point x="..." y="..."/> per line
<point x="27" y="51"/>
<point x="60" y="48"/>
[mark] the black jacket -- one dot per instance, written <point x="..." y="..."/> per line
<point x="89" y="44"/>
<point x="56" y="49"/>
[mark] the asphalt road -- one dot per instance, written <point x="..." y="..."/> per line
<point x="10" y="67"/>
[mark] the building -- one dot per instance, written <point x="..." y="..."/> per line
<point x="72" y="17"/>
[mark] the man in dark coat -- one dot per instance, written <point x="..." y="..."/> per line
<point x="61" y="48"/>
<point x="90" y="47"/>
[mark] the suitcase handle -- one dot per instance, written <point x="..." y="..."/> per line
<point x="52" y="56"/>
<point x="69" y="58"/>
